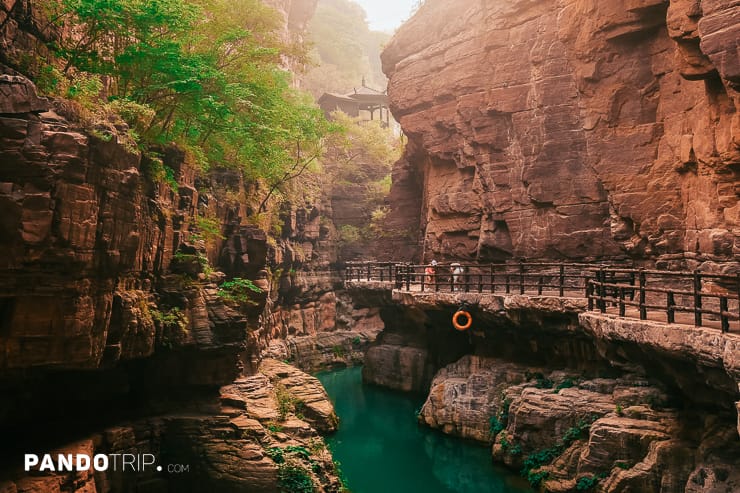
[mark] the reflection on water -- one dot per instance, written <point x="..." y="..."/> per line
<point x="382" y="450"/>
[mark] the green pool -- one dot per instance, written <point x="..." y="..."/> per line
<point x="381" y="449"/>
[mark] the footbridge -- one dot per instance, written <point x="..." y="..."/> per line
<point x="675" y="297"/>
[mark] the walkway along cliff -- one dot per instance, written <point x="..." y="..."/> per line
<point x="578" y="131"/>
<point x="567" y="387"/>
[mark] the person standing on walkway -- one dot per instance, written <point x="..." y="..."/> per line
<point x="431" y="273"/>
<point x="457" y="275"/>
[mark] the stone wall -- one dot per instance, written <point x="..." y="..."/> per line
<point x="576" y="129"/>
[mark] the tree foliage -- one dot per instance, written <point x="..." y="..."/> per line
<point x="358" y="161"/>
<point x="206" y="74"/>
<point x="363" y="151"/>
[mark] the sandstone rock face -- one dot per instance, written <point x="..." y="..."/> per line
<point x="315" y="324"/>
<point x="397" y="366"/>
<point x="297" y="14"/>
<point x="714" y="355"/>
<point x="315" y="404"/>
<point x="404" y="214"/>
<point x="617" y="429"/>
<point x="466" y="394"/>
<point x="18" y="95"/>
<point x="83" y="236"/>
<point x="326" y="350"/>
<point x="24" y="31"/>
<point x="245" y="446"/>
<point x="577" y="129"/>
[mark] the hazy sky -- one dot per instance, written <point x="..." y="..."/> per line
<point x="386" y="15"/>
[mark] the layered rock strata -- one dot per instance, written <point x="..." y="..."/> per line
<point x="316" y="324"/>
<point x="110" y="313"/>
<point x="564" y="428"/>
<point x="90" y="279"/>
<point x="576" y="129"/>
<point x="263" y="435"/>
<point x="570" y="398"/>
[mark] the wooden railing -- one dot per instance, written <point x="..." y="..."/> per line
<point x="371" y="271"/>
<point x="707" y="297"/>
<point x="714" y="300"/>
<point x="557" y="279"/>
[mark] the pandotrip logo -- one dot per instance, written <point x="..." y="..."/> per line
<point x="135" y="463"/>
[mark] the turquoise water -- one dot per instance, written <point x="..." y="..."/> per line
<point x="381" y="448"/>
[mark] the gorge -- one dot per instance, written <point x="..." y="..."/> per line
<point x="575" y="132"/>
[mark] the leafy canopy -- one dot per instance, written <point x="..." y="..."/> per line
<point x="206" y="74"/>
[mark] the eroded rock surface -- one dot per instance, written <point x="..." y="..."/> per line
<point x="317" y="326"/>
<point x="575" y="129"/>
<point x="244" y="446"/>
<point x="565" y="428"/>
<point x="306" y="393"/>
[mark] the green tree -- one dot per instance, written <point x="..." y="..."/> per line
<point x="207" y="72"/>
<point x="362" y="151"/>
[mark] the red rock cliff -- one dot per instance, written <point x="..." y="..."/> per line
<point x="576" y="129"/>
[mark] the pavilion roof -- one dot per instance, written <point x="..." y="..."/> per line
<point x="363" y="95"/>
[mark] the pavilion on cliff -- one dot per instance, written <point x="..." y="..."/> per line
<point x="364" y="101"/>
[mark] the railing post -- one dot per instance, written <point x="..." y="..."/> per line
<point x="521" y="277"/>
<point x="602" y="290"/>
<point x="590" y="294"/>
<point x="480" y="282"/>
<point x="723" y="314"/>
<point x="408" y="277"/>
<point x="643" y="308"/>
<point x="493" y="281"/>
<point x="621" y="302"/>
<point x="561" y="282"/>
<point x="508" y="282"/>
<point x="382" y="273"/>
<point x="399" y="280"/>
<point x="368" y="272"/>
<point x="697" y="298"/>
<point x="423" y="280"/>
<point x="540" y="282"/>
<point x="670" y="304"/>
<point x="466" y="279"/>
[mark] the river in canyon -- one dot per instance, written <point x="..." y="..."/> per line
<point x="380" y="446"/>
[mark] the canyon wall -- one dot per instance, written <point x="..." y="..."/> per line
<point x="112" y="327"/>
<point x="577" y="129"/>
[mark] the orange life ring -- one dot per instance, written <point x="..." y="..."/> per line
<point x="456" y="323"/>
